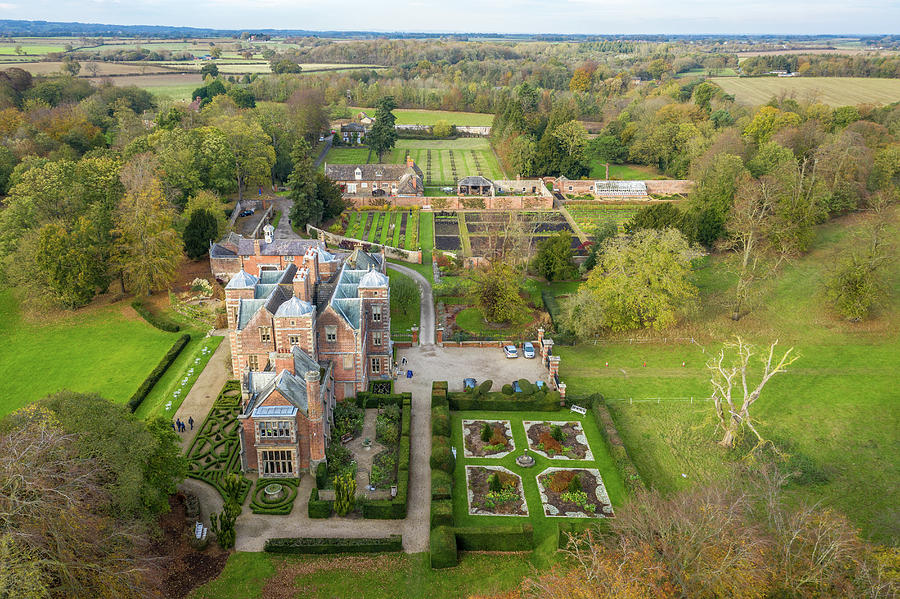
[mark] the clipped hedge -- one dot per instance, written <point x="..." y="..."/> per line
<point x="607" y="426"/>
<point x="440" y="421"/>
<point x="321" y="475"/>
<point x="403" y="458"/>
<point x="406" y="420"/>
<point x="322" y="546"/>
<point x="157" y="321"/>
<point x="441" y="456"/>
<point x="517" y="537"/>
<point x="319" y="508"/>
<point x="441" y="513"/>
<point x="539" y="402"/>
<point x="283" y="506"/>
<point x="364" y="399"/>
<point x="439" y="398"/>
<point x="441" y="485"/>
<point x="157" y="372"/>
<point x="443" y="548"/>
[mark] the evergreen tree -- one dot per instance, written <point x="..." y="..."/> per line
<point x="304" y="193"/>
<point x="383" y="135"/>
<point x="200" y="230"/>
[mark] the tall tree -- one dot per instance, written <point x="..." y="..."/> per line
<point x="252" y="151"/>
<point x="147" y="246"/>
<point x="383" y="135"/>
<point x="200" y="230"/>
<point x="497" y="293"/>
<point x="554" y="258"/>
<point x="303" y="190"/>
<point x="69" y="265"/>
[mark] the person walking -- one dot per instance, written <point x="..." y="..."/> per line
<point x="173" y="427"/>
<point x="191" y="422"/>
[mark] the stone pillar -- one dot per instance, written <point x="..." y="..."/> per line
<point x="562" y="393"/>
<point x="554" y="369"/>
<point x="546" y="351"/>
<point x="540" y="333"/>
<point x="415" y="335"/>
<point x="439" y="336"/>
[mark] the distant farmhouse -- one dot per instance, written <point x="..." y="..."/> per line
<point x="405" y="180"/>
<point x="307" y="328"/>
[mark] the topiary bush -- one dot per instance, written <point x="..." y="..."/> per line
<point x="507" y="389"/>
<point x="440" y="421"/>
<point x="442" y="458"/>
<point x="441" y="485"/>
<point x="441" y="513"/>
<point x="485" y="387"/>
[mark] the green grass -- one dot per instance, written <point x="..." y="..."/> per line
<point x="188" y="365"/>
<point x="175" y="91"/>
<point x="412" y="231"/>
<point x="544" y="527"/>
<point x="835" y="91"/>
<point x="426" y="239"/>
<point x="341" y="155"/>
<point x="368" y="577"/>
<point x="411" y="116"/>
<point x="29" y="49"/>
<point x="589" y="217"/>
<point x="276" y="219"/>
<point x="357" y="220"/>
<point x="624" y="172"/>
<point x="104" y="349"/>
<point x="472" y="320"/>
<point x="401" y="323"/>
<point x="836" y="408"/>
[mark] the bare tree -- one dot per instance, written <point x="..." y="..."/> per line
<point x="730" y="371"/>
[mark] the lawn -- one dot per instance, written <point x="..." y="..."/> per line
<point x="444" y="162"/>
<point x="472" y="320"/>
<point x="625" y="172"/>
<point x="384" y="576"/>
<point x="835" y="91"/>
<point x="343" y="155"/>
<point x="544" y="527"/>
<point x="401" y="323"/>
<point x="835" y="411"/>
<point x="104" y="349"/>
<point x="589" y="217"/>
<point x="412" y="116"/>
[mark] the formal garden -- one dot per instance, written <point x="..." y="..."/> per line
<point x="588" y="215"/>
<point x="490" y="233"/>
<point x="516" y="472"/>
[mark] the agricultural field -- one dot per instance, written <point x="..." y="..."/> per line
<point x="834" y="413"/>
<point x="103" y="68"/>
<point x="175" y="86"/>
<point x="411" y="116"/>
<point x="835" y="91"/>
<point x="444" y="162"/>
<point x="107" y="349"/>
<point x="701" y="72"/>
<point x="29" y="49"/>
<point x="589" y="217"/>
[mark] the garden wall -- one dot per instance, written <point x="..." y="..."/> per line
<point x="413" y="256"/>
<point x="506" y="202"/>
<point x="669" y="186"/>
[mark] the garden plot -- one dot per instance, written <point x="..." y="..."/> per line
<point x="396" y="228"/>
<point x="573" y="493"/>
<point x="588" y="218"/>
<point x="495" y="491"/>
<point x="487" y="438"/>
<point x="558" y="440"/>
<point x="446" y="231"/>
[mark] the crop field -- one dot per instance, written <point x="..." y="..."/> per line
<point x="29" y="49"/>
<point x="589" y="217"/>
<point x="444" y="162"/>
<point x="103" y="68"/>
<point x="411" y="116"/>
<point x="396" y="228"/>
<point x="490" y="233"/>
<point x="177" y="86"/>
<point x="835" y="91"/>
<point x="348" y="156"/>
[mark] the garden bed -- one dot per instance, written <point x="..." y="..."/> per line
<point x="495" y="491"/>
<point x="558" y="440"/>
<point x="274" y="496"/>
<point x="499" y="441"/>
<point x="573" y="493"/>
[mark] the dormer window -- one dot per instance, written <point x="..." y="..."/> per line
<point x="357" y="174"/>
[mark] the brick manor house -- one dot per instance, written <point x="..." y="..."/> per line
<point x="307" y="328"/>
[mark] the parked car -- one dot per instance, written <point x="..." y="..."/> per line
<point x="246" y="212"/>
<point x="511" y="351"/>
<point x="516" y="387"/>
<point x="321" y="138"/>
<point x="447" y="189"/>
<point x="378" y="192"/>
<point x="469" y="384"/>
<point x="527" y="349"/>
<point x="540" y="385"/>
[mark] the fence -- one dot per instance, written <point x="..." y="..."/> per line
<point x="658" y="400"/>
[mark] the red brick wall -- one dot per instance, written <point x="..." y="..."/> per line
<point x="303" y="327"/>
<point x="247" y="342"/>
<point x="346" y="343"/>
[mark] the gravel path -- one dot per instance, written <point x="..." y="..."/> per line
<point x="205" y="390"/>
<point x="426" y="304"/>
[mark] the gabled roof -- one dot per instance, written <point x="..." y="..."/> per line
<point x="475" y="180"/>
<point x="371" y="172"/>
<point x="291" y="387"/>
<point x="360" y="260"/>
<point x="247" y="309"/>
<point x="302" y="362"/>
<point x="233" y="245"/>
<point x="350" y="308"/>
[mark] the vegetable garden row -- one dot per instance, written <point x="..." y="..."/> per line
<point x="398" y="229"/>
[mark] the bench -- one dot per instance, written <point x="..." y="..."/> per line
<point x="579" y="410"/>
<point x="346" y="438"/>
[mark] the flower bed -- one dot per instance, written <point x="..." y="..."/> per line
<point x="274" y="496"/>
<point x="495" y="491"/>
<point x="487" y="438"/>
<point x="558" y="440"/>
<point x="573" y="493"/>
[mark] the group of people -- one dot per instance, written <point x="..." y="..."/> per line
<point x="179" y="427"/>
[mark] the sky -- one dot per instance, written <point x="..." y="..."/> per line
<point x="470" y="16"/>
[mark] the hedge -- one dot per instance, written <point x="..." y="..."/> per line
<point x="403" y="458"/>
<point x="443" y="548"/>
<point x="542" y="402"/>
<point x="364" y="399"/>
<point x="319" y="508"/>
<point x="441" y="513"/>
<point x="440" y="421"/>
<point x="441" y="485"/>
<point x="607" y="426"/>
<point x="405" y="420"/>
<point x="337" y="545"/>
<point x="321" y="475"/>
<point x="439" y="398"/>
<point x="517" y="537"/>
<point x="157" y="321"/>
<point x="157" y="372"/>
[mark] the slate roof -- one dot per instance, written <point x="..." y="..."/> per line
<point x="475" y="180"/>
<point x="294" y="307"/>
<point x="292" y="387"/>
<point x="371" y="172"/>
<point x="233" y="245"/>
<point x="374" y="279"/>
<point x="242" y="280"/>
